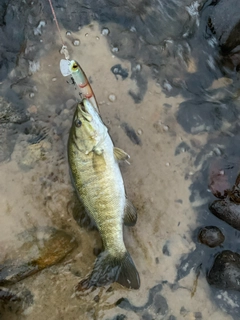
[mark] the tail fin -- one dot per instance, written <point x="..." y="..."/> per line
<point x="108" y="269"/>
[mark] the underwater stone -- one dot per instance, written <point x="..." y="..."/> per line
<point x="112" y="97"/>
<point x="211" y="236"/>
<point x="42" y="248"/>
<point x="11" y="113"/>
<point x="225" y="272"/>
<point x="227" y="211"/>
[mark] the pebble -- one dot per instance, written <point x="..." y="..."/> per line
<point x="97" y="38"/>
<point x="138" y="67"/>
<point x="167" y="164"/>
<point x="115" y="49"/>
<point x="68" y="33"/>
<point x="105" y="31"/>
<point x="211" y="236"/>
<point x="31" y="95"/>
<point x="165" y="128"/>
<point x="112" y="97"/>
<point x="76" y="42"/>
<point x="140" y="132"/>
<point x="86" y="34"/>
<point x="54" y="79"/>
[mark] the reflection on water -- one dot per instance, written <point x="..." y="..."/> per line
<point x="167" y="85"/>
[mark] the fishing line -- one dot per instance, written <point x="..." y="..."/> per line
<point x="64" y="49"/>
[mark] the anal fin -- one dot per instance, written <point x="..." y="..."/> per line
<point x="130" y="214"/>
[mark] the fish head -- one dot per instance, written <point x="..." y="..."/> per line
<point x="88" y="128"/>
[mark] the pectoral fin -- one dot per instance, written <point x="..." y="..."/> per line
<point x="130" y="214"/>
<point x="120" y="155"/>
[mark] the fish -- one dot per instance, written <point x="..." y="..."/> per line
<point x="97" y="179"/>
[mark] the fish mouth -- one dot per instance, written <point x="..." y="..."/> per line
<point x="82" y="109"/>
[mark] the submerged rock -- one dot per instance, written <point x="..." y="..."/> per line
<point x="211" y="236"/>
<point x="42" y="248"/>
<point x="10" y="113"/>
<point x="225" y="272"/>
<point x="227" y="211"/>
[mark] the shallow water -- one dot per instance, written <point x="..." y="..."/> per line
<point x="176" y="113"/>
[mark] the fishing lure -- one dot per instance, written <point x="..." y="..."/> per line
<point x="80" y="79"/>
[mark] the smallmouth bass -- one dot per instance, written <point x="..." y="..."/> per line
<point x="96" y="176"/>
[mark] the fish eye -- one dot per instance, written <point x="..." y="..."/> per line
<point x="75" y="66"/>
<point x="78" y="123"/>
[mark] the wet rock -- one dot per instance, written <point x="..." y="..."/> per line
<point x="225" y="272"/>
<point x="224" y="22"/>
<point x="10" y="113"/>
<point x="211" y="236"/>
<point x="227" y="211"/>
<point x="131" y="133"/>
<point x="42" y="248"/>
